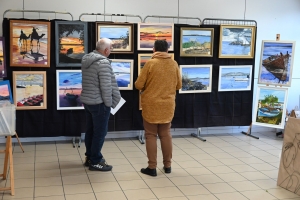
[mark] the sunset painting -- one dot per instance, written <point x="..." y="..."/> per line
<point x="2" y="57"/>
<point x="5" y="91"/>
<point x="29" y="43"/>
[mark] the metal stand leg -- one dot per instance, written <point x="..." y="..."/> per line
<point x="73" y="141"/>
<point x="249" y="132"/>
<point x="79" y="142"/>
<point x="142" y="137"/>
<point x="198" y="135"/>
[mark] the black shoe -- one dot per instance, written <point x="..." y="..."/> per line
<point x="167" y="170"/>
<point x="88" y="161"/>
<point x="148" y="171"/>
<point x="101" y="166"/>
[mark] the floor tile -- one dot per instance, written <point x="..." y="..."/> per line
<point x="167" y="192"/>
<point x="204" y="196"/>
<point x="230" y="161"/>
<point x="220" y="169"/>
<point x="78" y="179"/>
<point x="99" y="177"/>
<point x="48" y="191"/>
<point x="88" y="196"/>
<point x="133" y="184"/>
<point x="254" y="175"/>
<point x="263" y="166"/>
<point x="242" y="168"/>
<point x="258" y="195"/>
<point x="187" y="180"/>
<point x="49" y="181"/>
<point x="281" y="193"/>
<point x="243" y="185"/>
<point x="210" y="162"/>
<point x="266" y="183"/>
<point x="198" y="171"/>
<point x="60" y="197"/>
<point x="139" y="194"/>
<point x="189" y="164"/>
<point x="230" y="177"/>
<point x="115" y="195"/>
<point x="271" y="173"/>
<point x="127" y="176"/>
<point x="210" y="178"/>
<point x="230" y="196"/>
<point x="219" y="187"/>
<point x="193" y="189"/>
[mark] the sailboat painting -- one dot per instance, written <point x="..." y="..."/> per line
<point x="68" y="87"/>
<point x="276" y="63"/>
<point x="123" y="70"/>
<point x="236" y="41"/>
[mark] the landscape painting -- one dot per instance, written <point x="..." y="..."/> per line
<point x="196" y="42"/>
<point x="29" y="89"/>
<point x="2" y="58"/>
<point x="196" y="78"/>
<point x="70" y="43"/>
<point x="270" y="107"/>
<point x="235" y="78"/>
<point x="144" y="57"/>
<point x="276" y="63"/>
<point x="121" y="35"/>
<point x="68" y="87"/>
<point x="236" y="41"/>
<point x="5" y="91"/>
<point x="123" y="70"/>
<point x="148" y="33"/>
<point x="29" y="43"/>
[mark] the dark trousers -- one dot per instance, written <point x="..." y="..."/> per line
<point x="96" y="129"/>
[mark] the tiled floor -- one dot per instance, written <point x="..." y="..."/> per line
<point x="226" y="167"/>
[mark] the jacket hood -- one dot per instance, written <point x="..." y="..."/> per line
<point x="160" y="54"/>
<point x="89" y="59"/>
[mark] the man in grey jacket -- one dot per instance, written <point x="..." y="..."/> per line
<point x="99" y="93"/>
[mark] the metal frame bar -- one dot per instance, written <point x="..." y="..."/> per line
<point x="219" y="21"/>
<point x="37" y="11"/>
<point x="198" y="135"/>
<point x="113" y="15"/>
<point x="172" y="17"/>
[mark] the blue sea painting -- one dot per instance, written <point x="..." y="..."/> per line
<point x="196" y="35"/>
<point x="122" y="73"/>
<point x="112" y="32"/>
<point x="70" y="80"/>
<point x="235" y="78"/>
<point x="195" y="79"/>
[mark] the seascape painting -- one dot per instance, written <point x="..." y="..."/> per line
<point x="148" y="33"/>
<point x="196" y="78"/>
<point x="276" y="63"/>
<point x="196" y="42"/>
<point x="29" y="43"/>
<point x="144" y="57"/>
<point x="2" y="58"/>
<point x="121" y="35"/>
<point x="71" y="43"/>
<point x="5" y="91"/>
<point x="123" y="70"/>
<point x="235" y="78"/>
<point x="69" y="87"/>
<point x="236" y="41"/>
<point x="270" y="107"/>
<point x="30" y="90"/>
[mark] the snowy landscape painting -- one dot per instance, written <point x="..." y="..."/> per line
<point x="123" y="70"/>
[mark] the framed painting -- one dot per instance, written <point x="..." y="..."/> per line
<point x="270" y="107"/>
<point x="121" y="35"/>
<point x="144" y="57"/>
<point x="276" y="63"/>
<point x="2" y="58"/>
<point x="29" y="43"/>
<point x="71" y="42"/>
<point x="236" y="41"/>
<point x="148" y="33"/>
<point x="5" y="91"/>
<point x="123" y="70"/>
<point x="196" y="42"/>
<point x="196" y="78"/>
<point x="68" y="89"/>
<point x="29" y="88"/>
<point x="235" y="78"/>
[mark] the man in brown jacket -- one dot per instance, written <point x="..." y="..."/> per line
<point x="158" y="82"/>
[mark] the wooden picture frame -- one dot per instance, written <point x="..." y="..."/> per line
<point x="144" y="57"/>
<point x="196" y="42"/>
<point x="235" y="78"/>
<point x="237" y="41"/>
<point x="68" y="89"/>
<point x="149" y="32"/>
<point x="30" y="90"/>
<point x="5" y="91"/>
<point x="123" y="70"/>
<point x="121" y="35"/>
<point x="196" y="78"/>
<point x="30" y="43"/>
<point x="71" y="43"/>
<point x="276" y="63"/>
<point x="2" y="58"/>
<point x="270" y="107"/>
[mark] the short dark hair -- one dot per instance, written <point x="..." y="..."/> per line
<point x="161" y="45"/>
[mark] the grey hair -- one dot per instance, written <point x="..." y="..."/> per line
<point x="103" y="43"/>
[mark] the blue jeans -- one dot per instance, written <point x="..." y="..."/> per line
<point x="96" y="129"/>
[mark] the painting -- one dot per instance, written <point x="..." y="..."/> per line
<point x="5" y="91"/>
<point x="123" y="70"/>
<point x="68" y="89"/>
<point x="270" y="107"/>
<point x="144" y="57"/>
<point x="29" y="43"/>
<point x="148" y="33"/>
<point x="196" y="78"/>
<point x="70" y="43"/>
<point x="2" y="58"/>
<point x="276" y="63"/>
<point x="235" y="78"/>
<point x="29" y="88"/>
<point x="121" y="35"/>
<point x="236" y="41"/>
<point x="196" y="42"/>
<point x="289" y="168"/>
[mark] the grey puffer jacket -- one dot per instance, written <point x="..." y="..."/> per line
<point x="98" y="81"/>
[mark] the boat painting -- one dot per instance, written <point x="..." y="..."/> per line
<point x="123" y="70"/>
<point x="276" y="63"/>
<point x="235" y="78"/>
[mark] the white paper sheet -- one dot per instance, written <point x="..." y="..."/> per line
<point x="119" y="105"/>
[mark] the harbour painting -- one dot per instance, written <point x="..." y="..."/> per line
<point x="235" y="78"/>
<point x="196" y="78"/>
<point x="196" y="42"/>
<point x="276" y="63"/>
<point x="236" y="41"/>
<point x="270" y="107"/>
<point x="71" y="43"/>
<point x="144" y="57"/>
<point x="121" y="35"/>
<point x="123" y="70"/>
<point x="148" y="33"/>
<point x="5" y="91"/>
<point x="69" y="87"/>
<point x="29" y="43"/>
<point x="2" y="58"/>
